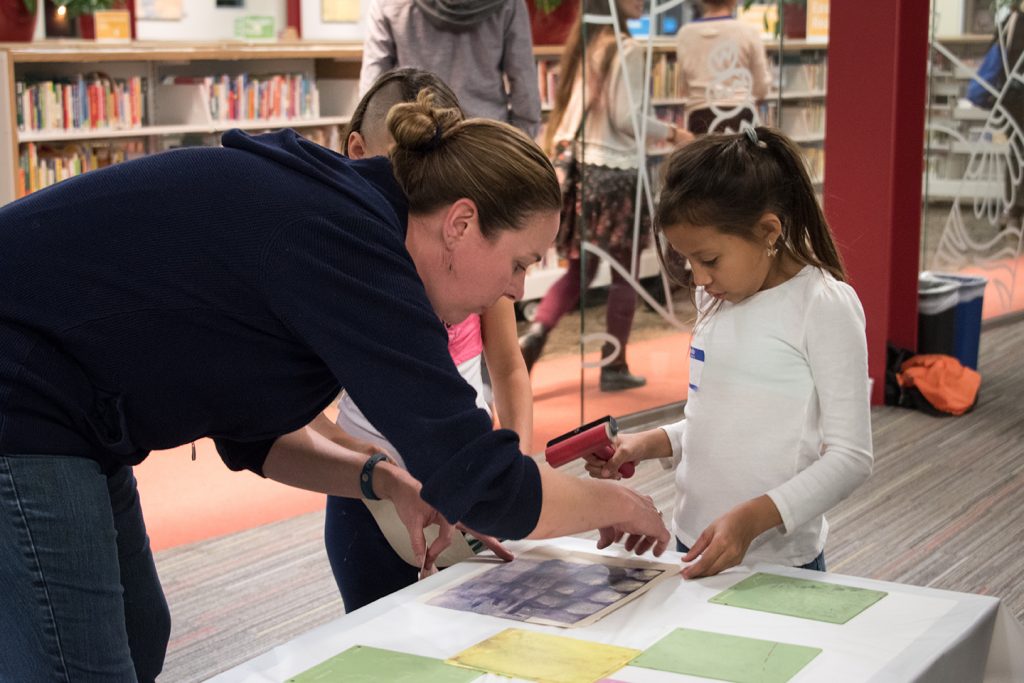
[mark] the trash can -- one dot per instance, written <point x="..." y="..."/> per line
<point x="936" y="315"/>
<point x="970" y="297"/>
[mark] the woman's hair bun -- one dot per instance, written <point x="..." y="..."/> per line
<point x="420" y="126"/>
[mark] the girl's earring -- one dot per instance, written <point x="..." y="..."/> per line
<point x="772" y="250"/>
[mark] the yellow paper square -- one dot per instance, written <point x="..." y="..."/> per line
<point x="545" y="658"/>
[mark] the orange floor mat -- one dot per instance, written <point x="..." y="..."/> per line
<point x="185" y="501"/>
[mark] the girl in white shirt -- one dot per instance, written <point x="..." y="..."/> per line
<point x="777" y="423"/>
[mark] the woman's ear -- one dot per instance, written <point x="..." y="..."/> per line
<point x="461" y="220"/>
<point x="356" y="145"/>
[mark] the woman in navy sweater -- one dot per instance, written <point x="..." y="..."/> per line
<point x="229" y="293"/>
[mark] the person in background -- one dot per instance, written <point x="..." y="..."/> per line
<point x="365" y="562"/>
<point x="777" y="426"/>
<point x="474" y="46"/>
<point x="723" y="69"/>
<point x="230" y="292"/>
<point x="592" y="121"/>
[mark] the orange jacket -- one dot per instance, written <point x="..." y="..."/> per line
<point x="946" y="384"/>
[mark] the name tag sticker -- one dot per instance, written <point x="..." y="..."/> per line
<point x="696" y="367"/>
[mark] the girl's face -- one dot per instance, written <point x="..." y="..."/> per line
<point x="631" y="9"/>
<point x="730" y="268"/>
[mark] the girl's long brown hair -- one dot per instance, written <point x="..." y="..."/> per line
<point x="572" y="59"/>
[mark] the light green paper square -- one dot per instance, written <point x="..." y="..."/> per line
<point x="362" y="664"/>
<point x="802" y="598"/>
<point x="726" y="658"/>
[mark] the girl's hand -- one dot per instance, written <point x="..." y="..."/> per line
<point x="725" y="542"/>
<point x="629" y="448"/>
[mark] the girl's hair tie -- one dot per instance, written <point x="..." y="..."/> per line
<point x="752" y="135"/>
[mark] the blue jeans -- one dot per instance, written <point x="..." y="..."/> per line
<point x="80" y="597"/>
<point x="817" y="564"/>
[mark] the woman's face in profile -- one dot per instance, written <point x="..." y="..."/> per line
<point x="484" y="270"/>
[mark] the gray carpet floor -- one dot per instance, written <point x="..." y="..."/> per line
<point x="944" y="508"/>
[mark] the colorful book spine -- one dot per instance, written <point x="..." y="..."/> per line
<point x="80" y="103"/>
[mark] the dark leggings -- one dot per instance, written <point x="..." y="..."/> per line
<point x="564" y="295"/>
<point x="817" y="564"/>
<point x="364" y="564"/>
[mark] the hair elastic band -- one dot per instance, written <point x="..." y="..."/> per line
<point x="752" y="135"/>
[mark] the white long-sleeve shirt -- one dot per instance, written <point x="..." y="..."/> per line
<point x="778" y="405"/>
<point x="609" y="138"/>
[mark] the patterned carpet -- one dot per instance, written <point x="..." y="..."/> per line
<point x="943" y="509"/>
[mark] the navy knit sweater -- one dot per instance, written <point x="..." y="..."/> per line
<point x="230" y="292"/>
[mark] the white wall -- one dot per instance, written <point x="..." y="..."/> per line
<point x="203" y="20"/>
<point x="314" y="29"/>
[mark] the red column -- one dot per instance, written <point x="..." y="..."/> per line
<point x="877" y="78"/>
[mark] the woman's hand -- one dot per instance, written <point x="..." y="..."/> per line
<point x="491" y="543"/>
<point x="395" y="484"/>
<point x="679" y="137"/>
<point x="653" y="443"/>
<point x="725" y="542"/>
<point x="643" y="528"/>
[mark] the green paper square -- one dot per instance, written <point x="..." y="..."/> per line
<point x="362" y="664"/>
<point x="726" y="658"/>
<point x="802" y="598"/>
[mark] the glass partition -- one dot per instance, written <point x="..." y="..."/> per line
<point x="974" y="198"/>
<point x="615" y="328"/>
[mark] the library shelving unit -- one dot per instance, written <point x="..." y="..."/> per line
<point x="956" y="129"/>
<point x="69" y="107"/>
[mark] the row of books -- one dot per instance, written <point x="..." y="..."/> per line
<point x="800" y="73"/>
<point x="547" y="82"/>
<point x="82" y="102"/>
<point x="40" y="166"/>
<point x="664" y="77"/>
<point x="797" y="120"/>
<point x="247" y="98"/>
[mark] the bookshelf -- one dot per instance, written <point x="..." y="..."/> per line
<point x="58" y="99"/>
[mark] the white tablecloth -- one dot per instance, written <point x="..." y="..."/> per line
<point x="913" y="634"/>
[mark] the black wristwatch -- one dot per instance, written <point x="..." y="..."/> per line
<point x="366" y="476"/>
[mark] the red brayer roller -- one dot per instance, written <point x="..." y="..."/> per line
<point x="593" y="438"/>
